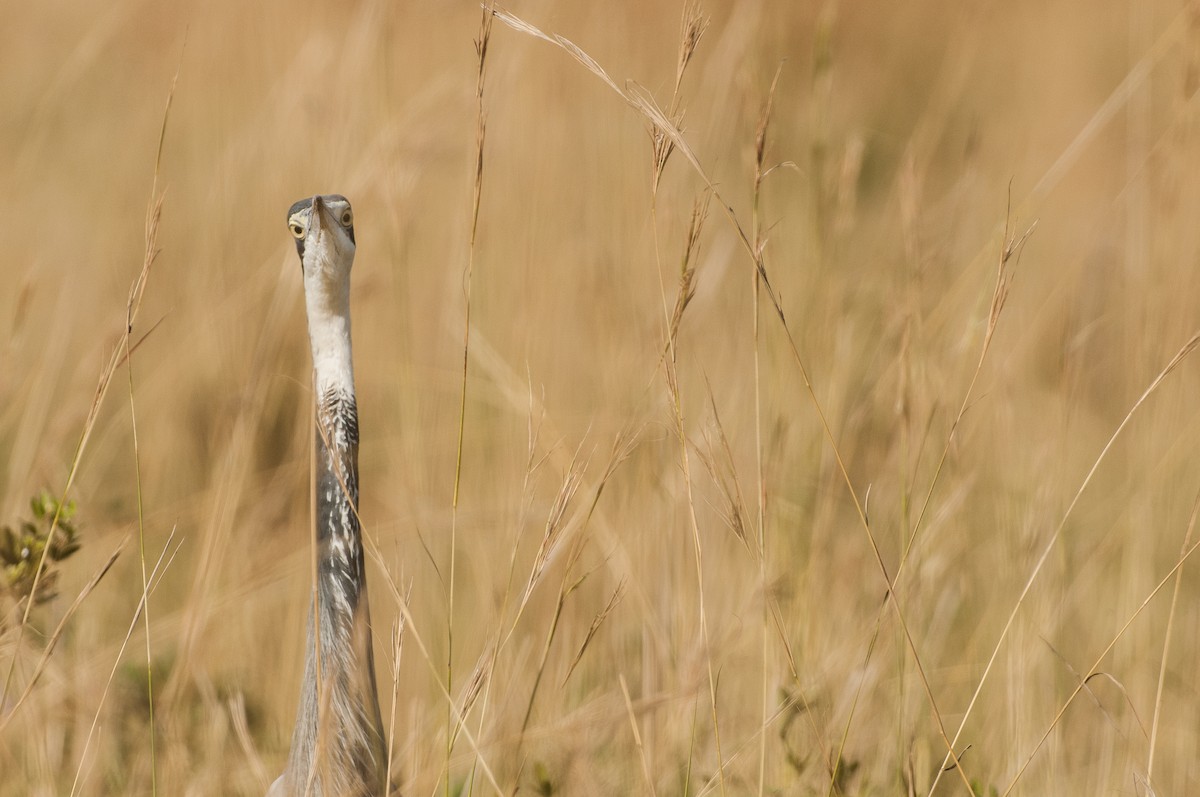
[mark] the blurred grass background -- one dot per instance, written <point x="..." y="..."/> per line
<point x="906" y="127"/>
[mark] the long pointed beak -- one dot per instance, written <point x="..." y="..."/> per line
<point x="315" y="222"/>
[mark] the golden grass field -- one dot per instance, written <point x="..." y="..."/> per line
<point x="655" y="509"/>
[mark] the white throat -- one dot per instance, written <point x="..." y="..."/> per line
<point x="327" y="302"/>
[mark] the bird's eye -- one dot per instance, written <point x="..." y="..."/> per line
<point x="297" y="230"/>
<point x="347" y="218"/>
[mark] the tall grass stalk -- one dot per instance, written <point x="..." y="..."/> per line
<point x="642" y="103"/>
<point x="161" y="565"/>
<point x="120" y="354"/>
<point x="1094" y="669"/>
<point x="481" y="47"/>
<point x="1166" y="650"/>
<point x="1052" y="541"/>
<point x="760" y="149"/>
<point x="153" y="214"/>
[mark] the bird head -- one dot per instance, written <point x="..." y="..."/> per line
<point x="323" y="227"/>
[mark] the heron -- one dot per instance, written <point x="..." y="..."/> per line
<point x="338" y="745"/>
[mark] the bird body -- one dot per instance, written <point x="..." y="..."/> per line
<point x="338" y="745"/>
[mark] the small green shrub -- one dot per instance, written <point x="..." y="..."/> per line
<point x="22" y="548"/>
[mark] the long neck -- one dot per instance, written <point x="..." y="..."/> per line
<point x="339" y="707"/>
<point x="341" y="578"/>
<point x="339" y="539"/>
<point x="327" y="305"/>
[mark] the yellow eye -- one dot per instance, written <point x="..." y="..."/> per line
<point x="297" y="230"/>
<point x="347" y="218"/>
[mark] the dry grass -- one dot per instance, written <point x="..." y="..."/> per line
<point x="782" y="462"/>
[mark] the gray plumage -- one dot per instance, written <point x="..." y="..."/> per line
<point x="338" y="745"/>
